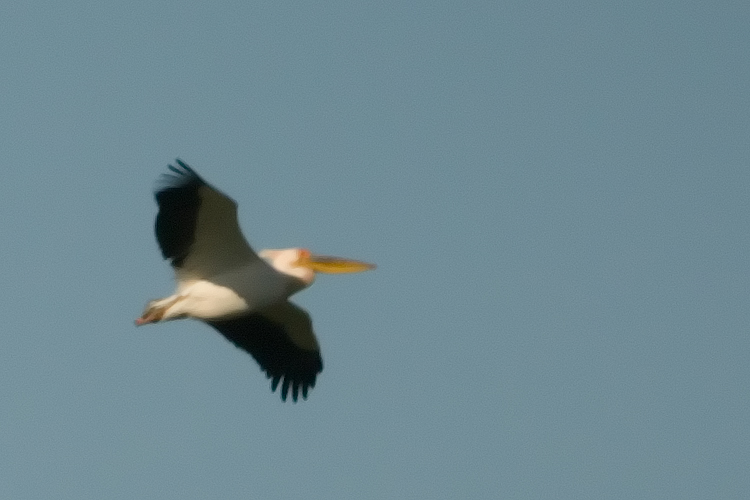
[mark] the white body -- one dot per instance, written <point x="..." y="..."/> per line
<point x="234" y="292"/>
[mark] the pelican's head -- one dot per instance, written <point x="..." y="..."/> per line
<point x="302" y="264"/>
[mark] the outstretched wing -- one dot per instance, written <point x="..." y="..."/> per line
<point x="196" y="226"/>
<point x="281" y="340"/>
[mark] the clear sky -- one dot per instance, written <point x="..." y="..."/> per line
<point x="556" y="195"/>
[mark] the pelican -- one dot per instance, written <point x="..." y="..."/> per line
<point x="224" y="283"/>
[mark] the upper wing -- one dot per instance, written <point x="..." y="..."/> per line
<point x="196" y="226"/>
<point x="281" y="340"/>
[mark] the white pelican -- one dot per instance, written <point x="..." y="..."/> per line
<point x="223" y="282"/>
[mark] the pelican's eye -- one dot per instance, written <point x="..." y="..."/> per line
<point x="303" y="259"/>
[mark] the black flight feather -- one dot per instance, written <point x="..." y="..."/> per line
<point x="278" y="356"/>
<point x="179" y="200"/>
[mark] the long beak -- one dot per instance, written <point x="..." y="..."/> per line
<point x="332" y="265"/>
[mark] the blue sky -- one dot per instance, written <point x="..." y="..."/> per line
<point x="556" y="195"/>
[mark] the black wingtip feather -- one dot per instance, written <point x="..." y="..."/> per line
<point x="285" y="389"/>
<point x="187" y="168"/>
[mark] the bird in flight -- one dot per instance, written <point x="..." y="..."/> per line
<point x="242" y="294"/>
